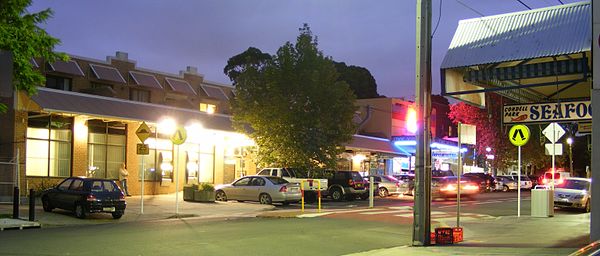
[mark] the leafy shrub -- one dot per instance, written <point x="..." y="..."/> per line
<point x="206" y="187"/>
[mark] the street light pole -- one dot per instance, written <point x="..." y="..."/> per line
<point x="570" y="142"/>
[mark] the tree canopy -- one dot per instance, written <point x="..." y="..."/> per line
<point x="292" y="104"/>
<point x="21" y="35"/>
<point x="359" y="79"/>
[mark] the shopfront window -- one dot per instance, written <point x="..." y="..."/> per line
<point x="106" y="148"/>
<point x="206" y="163"/>
<point x="158" y="164"/>
<point x="48" y="145"/>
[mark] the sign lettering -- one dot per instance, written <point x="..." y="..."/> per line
<point x="547" y="112"/>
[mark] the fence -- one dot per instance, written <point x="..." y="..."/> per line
<point x="8" y="180"/>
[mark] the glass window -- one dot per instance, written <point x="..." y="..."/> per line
<point x="284" y="173"/>
<point x="60" y="83"/>
<point x="208" y="108"/>
<point x="48" y="145"/>
<point x="206" y="163"/>
<point x="65" y="184"/>
<point x="257" y="182"/>
<point x="242" y="182"/>
<point x="106" y="148"/>
<point x="139" y="95"/>
<point x="109" y="186"/>
<point x="277" y="180"/>
<point x="265" y="172"/>
<point x="97" y="186"/>
<point x="77" y="185"/>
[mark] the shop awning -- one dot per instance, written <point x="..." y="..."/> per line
<point x="57" y="101"/>
<point x="374" y="144"/>
<point x="531" y="56"/>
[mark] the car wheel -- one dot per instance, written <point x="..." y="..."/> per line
<point x="336" y="194"/>
<point x="117" y="215"/>
<point x="46" y="204"/>
<point x="383" y="192"/>
<point x="505" y="188"/>
<point x="80" y="211"/>
<point x="221" y="196"/>
<point x="587" y="207"/>
<point x="265" y="199"/>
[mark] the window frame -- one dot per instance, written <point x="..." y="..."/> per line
<point x="49" y="140"/>
<point x="108" y="126"/>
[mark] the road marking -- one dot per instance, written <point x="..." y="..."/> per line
<point x="385" y="212"/>
<point x="411" y="214"/>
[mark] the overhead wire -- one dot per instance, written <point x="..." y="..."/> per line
<point x="524" y="4"/>
<point x="438" y="21"/>
<point x="468" y="7"/>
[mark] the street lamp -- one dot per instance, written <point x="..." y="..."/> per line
<point x="570" y="142"/>
<point x="487" y="156"/>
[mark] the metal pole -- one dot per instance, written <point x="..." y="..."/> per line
<point x="458" y="176"/>
<point x="31" y="205"/>
<point x="553" y="154"/>
<point x="571" y="159"/>
<point x="371" y="192"/>
<point x="422" y="202"/>
<point x="519" y="186"/>
<point x="176" y="182"/>
<point x="142" y="190"/>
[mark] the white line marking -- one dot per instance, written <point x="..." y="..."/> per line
<point x="385" y="212"/>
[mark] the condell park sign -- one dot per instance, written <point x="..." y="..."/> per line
<point x="548" y="112"/>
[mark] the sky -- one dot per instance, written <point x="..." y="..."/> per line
<point x="169" y="35"/>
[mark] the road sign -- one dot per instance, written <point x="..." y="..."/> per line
<point x="143" y="149"/>
<point x="557" y="151"/>
<point x="143" y="132"/>
<point x="553" y="132"/>
<point x="519" y="135"/>
<point x="179" y="136"/>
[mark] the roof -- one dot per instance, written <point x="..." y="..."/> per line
<point x="552" y="31"/>
<point x="52" y="100"/>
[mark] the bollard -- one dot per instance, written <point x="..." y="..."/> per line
<point x="31" y="205"/>
<point x="16" y="203"/>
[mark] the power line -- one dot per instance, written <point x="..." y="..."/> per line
<point x="525" y="4"/>
<point x="438" y="21"/>
<point x="560" y="2"/>
<point x="468" y="7"/>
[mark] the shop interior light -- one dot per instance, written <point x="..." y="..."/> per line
<point x="359" y="157"/>
<point x="405" y="143"/>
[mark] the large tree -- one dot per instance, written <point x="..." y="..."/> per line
<point x="21" y="35"/>
<point x="292" y="104"/>
<point x="359" y="79"/>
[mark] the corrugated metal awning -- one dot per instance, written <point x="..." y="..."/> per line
<point x="58" y="101"/>
<point x="552" y="31"/>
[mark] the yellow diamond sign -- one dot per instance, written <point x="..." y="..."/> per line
<point x="518" y="135"/>
<point x="143" y="132"/>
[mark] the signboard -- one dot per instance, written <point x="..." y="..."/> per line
<point x="547" y="112"/>
<point x="179" y="136"/>
<point x="584" y="127"/>
<point x="519" y="135"/>
<point x="553" y="132"/>
<point x="557" y="151"/>
<point x="142" y="149"/>
<point x="468" y="134"/>
<point x="143" y="132"/>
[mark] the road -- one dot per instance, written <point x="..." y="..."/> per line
<point x="347" y="228"/>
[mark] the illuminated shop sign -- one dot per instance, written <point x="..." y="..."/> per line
<point x="548" y="112"/>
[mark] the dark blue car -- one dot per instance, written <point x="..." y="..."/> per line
<point x="85" y="195"/>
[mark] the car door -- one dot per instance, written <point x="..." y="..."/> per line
<point x="74" y="193"/>
<point x="238" y="189"/>
<point x="256" y="186"/>
<point x="60" y="197"/>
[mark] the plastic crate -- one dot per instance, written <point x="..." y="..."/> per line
<point x="444" y="236"/>
<point x="457" y="234"/>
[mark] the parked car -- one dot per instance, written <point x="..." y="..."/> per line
<point x="386" y="185"/>
<point x="294" y="176"/>
<point x="263" y="189"/>
<point x="407" y="183"/>
<point x="525" y="181"/>
<point x="559" y="177"/>
<point x="573" y="193"/>
<point x="441" y="173"/>
<point x="85" y="195"/>
<point x="489" y="181"/>
<point x="505" y="183"/>
<point x="446" y="187"/>
<point x="481" y="182"/>
<point x="346" y="184"/>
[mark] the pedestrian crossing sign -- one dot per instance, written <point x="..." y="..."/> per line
<point x="518" y="135"/>
<point x="179" y="136"/>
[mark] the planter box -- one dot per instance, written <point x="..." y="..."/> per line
<point x="188" y="193"/>
<point x="204" y="196"/>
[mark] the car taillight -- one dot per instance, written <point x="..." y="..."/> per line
<point x="283" y="189"/>
<point x="91" y="198"/>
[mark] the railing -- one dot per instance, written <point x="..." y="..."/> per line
<point x="590" y="249"/>
<point x="310" y="181"/>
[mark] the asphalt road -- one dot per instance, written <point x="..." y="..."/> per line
<point x="349" y="228"/>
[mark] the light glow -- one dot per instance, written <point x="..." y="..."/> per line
<point x="359" y="157"/>
<point x="569" y="140"/>
<point x="167" y="126"/>
<point x="411" y="120"/>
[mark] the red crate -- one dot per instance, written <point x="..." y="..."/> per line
<point x="444" y="236"/>
<point x="457" y="234"/>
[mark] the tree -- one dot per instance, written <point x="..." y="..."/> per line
<point x="20" y="34"/>
<point x="292" y="104"/>
<point x="359" y="79"/>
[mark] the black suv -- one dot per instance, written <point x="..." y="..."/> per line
<point x="346" y="184"/>
<point x="85" y="195"/>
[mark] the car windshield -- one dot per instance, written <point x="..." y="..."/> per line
<point x="277" y="180"/>
<point x="575" y="184"/>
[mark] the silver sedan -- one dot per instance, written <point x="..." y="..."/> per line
<point x="264" y="189"/>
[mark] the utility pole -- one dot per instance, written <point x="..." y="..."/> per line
<point x="422" y="203"/>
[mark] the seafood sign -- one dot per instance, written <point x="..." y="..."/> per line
<point x="548" y="112"/>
